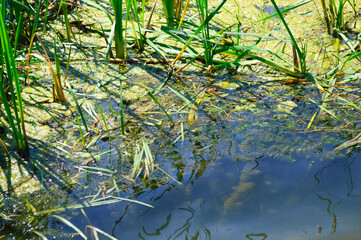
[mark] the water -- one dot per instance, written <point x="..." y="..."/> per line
<point x="243" y="181"/>
<point x="247" y="169"/>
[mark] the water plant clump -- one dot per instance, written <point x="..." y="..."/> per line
<point x="104" y="103"/>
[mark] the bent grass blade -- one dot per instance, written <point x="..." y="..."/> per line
<point x="104" y="121"/>
<point x="301" y="54"/>
<point x="70" y="225"/>
<point x="96" y="230"/>
<point x="160" y="105"/>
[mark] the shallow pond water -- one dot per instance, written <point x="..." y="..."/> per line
<point x="243" y="180"/>
<point x="247" y="168"/>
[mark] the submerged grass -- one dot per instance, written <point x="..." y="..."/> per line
<point x="143" y="161"/>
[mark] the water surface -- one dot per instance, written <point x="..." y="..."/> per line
<point x="243" y="180"/>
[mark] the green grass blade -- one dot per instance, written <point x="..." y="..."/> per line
<point x="56" y="120"/>
<point x="18" y="32"/>
<point x="289" y="8"/>
<point x="324" y="109"/>
<point x="78" y="107"/>
<point x="66" y="20"/>
<point x="160" y="105"/>
<point x="176" y="33"/>
<point x="188" y="101"/>
<point x="111" y="38"/>
<point x="158" y="50"/>
<point x="70" y="225"/>
<point x="200" y="28"/>
<point x="96" y="5"/>
<point x="102" y="232"/>
<point x="349" y="103"/>
<point x="355" y="55"/>
<point x="80" y="131"/>
<point x="7" y="105"/>
<point x="105" y="122"/>
<point x="8" y="55"/>
<point x="37" y="17"/>
<point x="294" y="42"/>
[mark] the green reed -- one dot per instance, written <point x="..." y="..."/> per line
<point x="136" y="18"/>
<point x="207" y="44"/>
<point x="7" y="60"/>
<point x="299" y="52"/>
<point x="172" y="11"/>
<point x="333" y="12"/>
<point x="300" y="56"/>
<point x="79" y="110"/>
<point x="199" y="29"/>
<point x="120" y="46"/>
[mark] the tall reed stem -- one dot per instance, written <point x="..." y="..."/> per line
<point x="18" y="126"/>
<point x="118" y="34"/>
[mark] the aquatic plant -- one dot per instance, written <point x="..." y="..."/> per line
<point x="7" y="61"/>
<point x="117" y="29"/>
<point x="207" y="44"/>
<point x="333" y="13"/>
<point x="57" y="87"/>
<point x="136" y="15"/>
<point x="172" y="11"/>
<point x="204" y="25"/>
<point x="143" y="160"/>
<point x="299" y="53"/>
<point x="204" y="44"/>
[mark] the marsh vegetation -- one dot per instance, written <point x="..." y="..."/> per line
<point x="143" y="119"/>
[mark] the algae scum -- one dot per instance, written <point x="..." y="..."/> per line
<point x="140" y="151"/>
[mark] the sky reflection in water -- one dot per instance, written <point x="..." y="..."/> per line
<point x="227" y="195"/>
